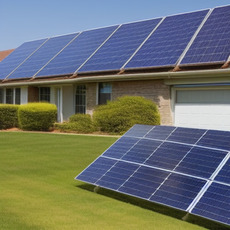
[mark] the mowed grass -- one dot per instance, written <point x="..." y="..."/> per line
<point x="38" y="190"/>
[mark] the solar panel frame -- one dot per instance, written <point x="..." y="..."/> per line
<point x="9" y="64"/>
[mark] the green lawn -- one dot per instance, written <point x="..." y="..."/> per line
<point x="38" y="190"/>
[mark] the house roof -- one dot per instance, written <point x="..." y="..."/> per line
<point x="5" y="53"/>
<point x="192" y="41"/>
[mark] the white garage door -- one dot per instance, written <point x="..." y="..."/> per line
<point x="209" y="109"/>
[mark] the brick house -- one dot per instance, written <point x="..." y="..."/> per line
<point x="176" y="61"/>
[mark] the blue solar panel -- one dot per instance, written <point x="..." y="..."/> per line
<point x="169" y="165"/>
<point x="117" y="175"/>
<point x="76" y="53"/>
<point x="42" y="56"/>
<point x="212" y="44"/>
<point x="215" y="204"/>
<point x="224" y="174"/>
<point x="185" y="135"/>
<point x="201" y="162"/>
<point x="168" y="42"/>
<point x="168" y="155"/>
<point x="120" y="47"/>
<point x="216" y="139"/>
<point x="178" y="191"/>
<point x="144" y="182"/>
<point x="13" y="60"/>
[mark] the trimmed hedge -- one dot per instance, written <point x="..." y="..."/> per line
<point x="120" y="115"/>
<point x="8" y="116"/>
<point x="79" y="123"/>
<point x="37" y="116"/>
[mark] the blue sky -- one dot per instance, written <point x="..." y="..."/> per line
<point x="26" y="20"/>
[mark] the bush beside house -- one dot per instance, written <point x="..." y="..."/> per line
<point x="79" y="123"/>
<point x="8" y="116"/>
<point x="37" y="116"/>
<point x="120" y="115"/>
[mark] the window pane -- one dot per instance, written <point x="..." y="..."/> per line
<point x="80" y="99"/>
<point x="44" y="94"/>
<point x="105" y="91"/>
<point x="1" y="96"/>
<point x="9" y="96"/>
<point x="18" y="96"/>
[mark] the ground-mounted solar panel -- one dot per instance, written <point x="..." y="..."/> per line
<point x="168" y="42"/>
<point x="212" y="44"/>
<point x="18" y="56"/>
<point x="77" y="52"/>
<point x="42" y="56"/>
<point x="162" y="165"/>
<point x="215" y="204"/>
<point x="120" y="47"/>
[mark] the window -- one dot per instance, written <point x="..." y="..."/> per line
<point x="1" y="96"/>
<point x="17" y="96"/>
<point x="80" y="99"/>
<point x="105" y="90"/>
<point x="9" y="96"/>
<point x="44" y="94"/>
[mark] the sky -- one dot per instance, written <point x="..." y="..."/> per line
<point x="26" y="20"/>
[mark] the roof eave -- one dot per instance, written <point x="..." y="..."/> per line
<point x="126" y="77"/>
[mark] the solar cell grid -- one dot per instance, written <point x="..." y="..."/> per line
<point x="17" y="57"/>
<point x="42" y="56"/>
<point x="224" y="174"/>
<point x="178" y="191"/>
<point x="120" y="47"/>
<point x="168" y="42"/>
<point x="77" y="52"/>
<point x="215" y="204"/>
<point x="212" y="44"/>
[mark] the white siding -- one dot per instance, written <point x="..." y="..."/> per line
<point x="68" y="102"/>
<point x="24" y="95"/>
<point x="209" y="109"/>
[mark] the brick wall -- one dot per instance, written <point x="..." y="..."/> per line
<point x="154" y="90"/>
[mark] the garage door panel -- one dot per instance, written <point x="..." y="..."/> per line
<point x="203" y="115"/>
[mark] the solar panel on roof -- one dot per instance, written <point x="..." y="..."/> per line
<point x="12" y="61"/>
<point x="167" y="43"/>
<point x="119" y="48"/>
<point x="169" y="169"/>
<point x="212" y="44"/>
<point x="77" y="52"/>
<point x="45" y="53"/>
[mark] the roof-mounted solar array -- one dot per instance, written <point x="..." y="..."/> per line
<point x="77" y="52"/>
<point x="43" y="55"/>
<point x="197" y="38"/>
<point x="18" y="57"/>
<point x="187" y="169"/>
<point x="212" y="44"/>
<point x="168" y="42"/>
<point x="120" y="47"/>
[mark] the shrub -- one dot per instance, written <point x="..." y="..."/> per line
<point x="80" y="123"/>
<point x="120" y="115"/>
<point x="8" y="116"/>
<point x="37" y="116"/>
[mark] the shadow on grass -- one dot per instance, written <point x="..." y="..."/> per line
<point x="178" y="214"/>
